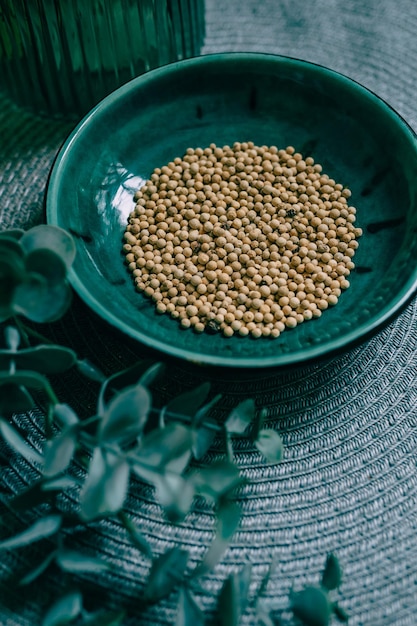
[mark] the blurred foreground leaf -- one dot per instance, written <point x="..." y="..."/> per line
<point x="65" y="415"/>
<point x="12" y="233"/>
<point x="16" y="441"/>
<point x="33" y="269"/>
<point x="175" y="494"/>
<point x="76" y="562"/>
<point x="332" y="574"/>
<point x="51" y="238"/>
<point x="64" y="610"/>
<point x="205" y="428"/>
<point x="42" y="528"/>
<point x="126" y="415"/>
<point x="89" y="370"/>
<point x="233" y="598"/>
<point x="141" y="373"/>
<point x="186" y="404"/>
<point x="48" y="264"/>
<point x="217" y="480"/>
<point x="166" y="573"/>
<point x="105" y="488"/>
<point x="40" y="301"/>
<point x="161" y="448"/>
<point x="189" y="613"/>
<point x="311" y="605"/>
<point x="104" y="618"/>
<point x="136" y="537"/>
<point x="228" y="518"/>
<point x="41" y="359"/>
<point x="59" y="451"/>
<point x="269" y="444"/>
<point x="203" y="437"/>
<point x="240" y="417"/>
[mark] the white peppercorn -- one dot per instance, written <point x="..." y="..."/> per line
<point x="249" y="239"/>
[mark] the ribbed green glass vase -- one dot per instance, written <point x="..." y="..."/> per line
<point x="62" y="57"/>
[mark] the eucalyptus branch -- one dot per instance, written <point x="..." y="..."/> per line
<point x="124" y="439"/>
<point x="53" y="398"/>
<point x="188" y="420"/>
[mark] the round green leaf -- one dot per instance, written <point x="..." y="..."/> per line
<point x="58" y="452"/>
<point x="218" y="479"/>
<point x="175" y="494"/>
<point x="64" y="610"/>
<point x="105" y="487"/>
<point x="90" y="371"/>
<point x="312" y="606"/>
<point x="203" y="437"/>
<point x="136" y="537"/>
<point x="332" y="574"/>
<point x="42" y="528"/>
<point x="202" y="413"/>
<point x="151" y="374"/>
<point x="76" y="562"/>
<point x="126" y="415"/>
<point x="269" y="443"/>
<point x="240" y="417"/>
<point x="10" y="246"/>
<point x="233" y="598"/>
<point x="16" y="441"/>
<point x="166" y="573"/>
<point x="162" y="447"/>
<point x="48" y="264"/>
<point x="12" y="233"/>
<point x="119" y="381"/>
<point x="41" y="302"/>
<point x="25" y="378"/>
<point x="42" y="359"/>
<point x="228" y="520"/>
<point x="188" y="403"/>
<point x="65" y="415"/>
<point x="52" y="238"/>
<point x="189" y="613"/>
<point x="205" y="428"/>
<point x="104" y="618"/>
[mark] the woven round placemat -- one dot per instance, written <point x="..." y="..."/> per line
<point x="348" y="482"/>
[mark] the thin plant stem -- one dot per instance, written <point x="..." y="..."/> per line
<point x="27" y="331"/>
<point x="22" y="331"/>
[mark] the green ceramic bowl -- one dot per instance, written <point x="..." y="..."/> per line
<point x="360" y="141"/>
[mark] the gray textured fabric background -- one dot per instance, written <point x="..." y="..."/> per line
<point x="349" y="479"/>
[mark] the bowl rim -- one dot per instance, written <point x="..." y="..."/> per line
<point x="335" y="346"/>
